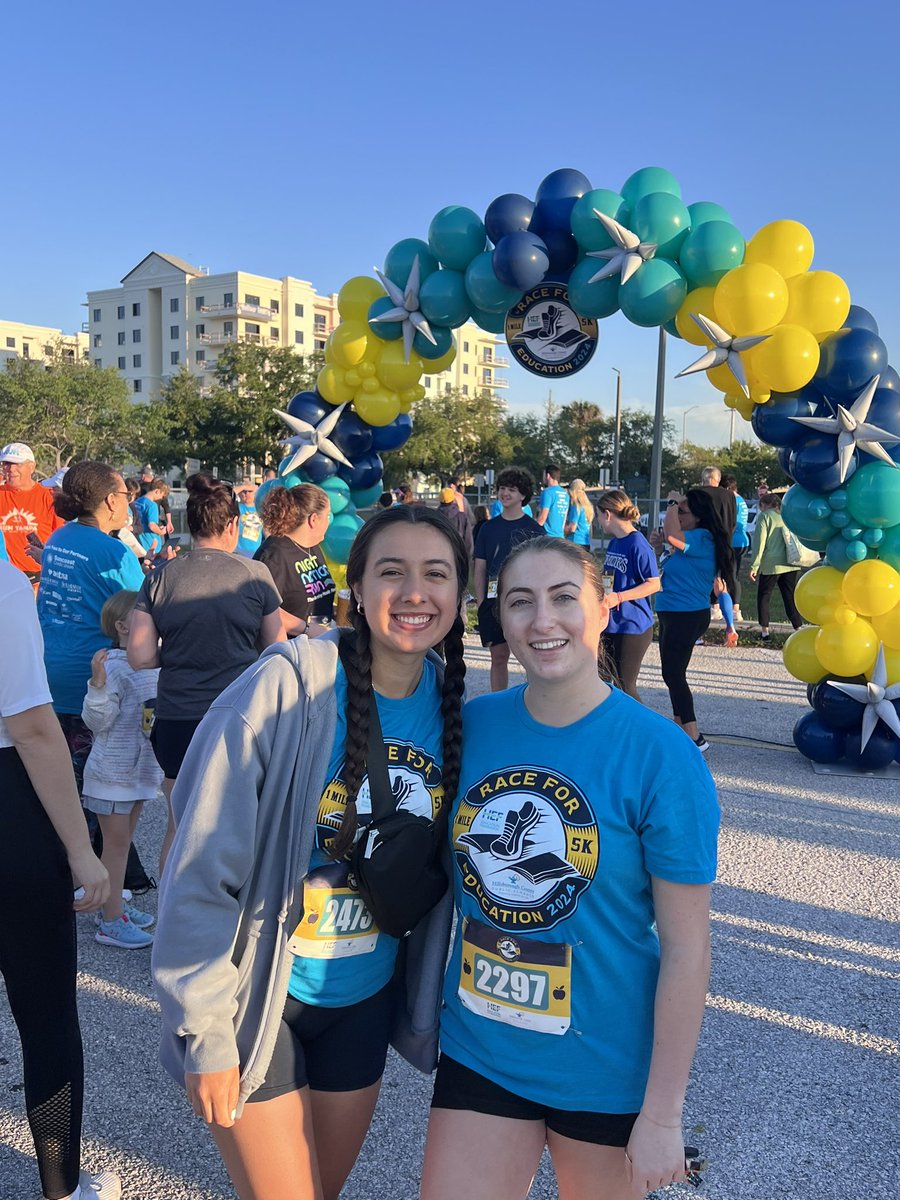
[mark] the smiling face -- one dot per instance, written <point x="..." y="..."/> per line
<point x="552" y="617"/>
<point x="408" y="591"/>
<point x="18" y="475"/>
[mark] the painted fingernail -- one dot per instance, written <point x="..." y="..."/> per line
<point x="234" y="1114"/>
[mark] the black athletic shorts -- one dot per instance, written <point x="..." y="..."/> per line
<point x="461" y="1088"/>
<point x="489" y="628"/>
<point x="170" y="740"/>
<point x="329" y="1049"/>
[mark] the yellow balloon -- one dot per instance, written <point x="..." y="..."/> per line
<point x="338" y="572"/>
<point x="819" y="301"/>
<point x="394" y="371"/>
<point x="404" y="401"/>
<point x="352" y="378"/>
<point x="701" y="301"/>
<point x="785" y="245"/>
<point x="751" y="299"/>
<point x="892" y="666"/>
<point x="370" y="385"/>
<point x="871" y="587"/>
<point x="887" y="626"/>
<point x="366" y="370"/>
<point x="842" y="614"/>
<point x="332" y="386"/>
<point x="356" y="297"/>
<point x="745" y="406"/>
<point x="434" y="366"/>
<point x="817" y="589"/>
<point x="847" y="649"/>
<point x="346" y="345"/>
<point x="786" y="360"/>
<point x="800" y="656"/>
<point x="377" y="408"/>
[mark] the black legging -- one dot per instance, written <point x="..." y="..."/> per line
<point x="787" y="582"/>
<point x="626" y="653"/>
<point x="37" y="960"/>
<point x="737" y="553"/>
<point x="678" y="631"/>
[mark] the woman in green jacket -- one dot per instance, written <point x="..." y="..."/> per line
<point x="770" y="564"/>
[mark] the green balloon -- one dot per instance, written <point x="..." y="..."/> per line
<point x="654" y="293"/>
<point x="647" y="180"/>
<point x="873" y="495"/>
<point x="588" y="231"/>
<point x="456" y="235"/>
<point x="599" y="299"/>
<point x="338" y="493"/>
<point x="889" y="547"/>
<point x="443" y="299"/>
<point x="710" y="251"/>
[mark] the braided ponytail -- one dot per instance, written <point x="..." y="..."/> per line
<point x="451" y="711"/>
<point x="358" y="669"/>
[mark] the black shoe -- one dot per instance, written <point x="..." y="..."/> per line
<point x="701" y="743"/>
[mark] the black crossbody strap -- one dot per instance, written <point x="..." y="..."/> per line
<point x="383" y="803"/>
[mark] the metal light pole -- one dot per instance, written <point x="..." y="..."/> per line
<point x="684" y="417"/>
<point x="617" y="435"/>
<point x="658" y="421"/>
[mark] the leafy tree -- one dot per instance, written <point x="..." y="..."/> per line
<point x="65" y="410"/>
<point x="452" y="435"/>
<point x="528" y="446"/>
<point x="581" y="433"/>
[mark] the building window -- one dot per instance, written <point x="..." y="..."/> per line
<point x="199" y="301"/>
<point x="465" y="347"/>
<point x="298" y="310"/>
<point x="98" y="362"/>
<point x="174" y="333"/>
<point x="199" y="356"/>
<point x="174" y="357"/>
<point x="173" y="304"/>
<point x="228" y="328"/>
<point x="273" y="304"/>
<point x="487" y="354"/>
<point x="199" y="330"/>
<point x="465" y="368"/>
<point x="121" y="337"/>
<point x="319" y="322"/>
<point x="251" y="327"/>
<point x="427" y="381"/>
<point x="298" y="337"/>
<point x="320" y="346"/>
<point x="96" y="340"/>
<point x="136" y="361"/>
<point x="137" y="384"/>
<point x="273" y="335"/>
<point x="10" y="343"/>
<point x="487" y="377"/>
<point x="229" y="299"/>
<point x="135" y="335"/>
<point x="122" y="364"/>
<point x="96" y="314"/>
<point x="465" y="389"/>
<point x="252" y="300"/>
<point x="120" y="312"/>
<point x="447" y="388"/>
<point x="135" y="310"/>
<point x="26" y="350"/>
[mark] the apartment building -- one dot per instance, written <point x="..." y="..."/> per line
<point x="475" y="367"/>
<point x="40" y="343"/>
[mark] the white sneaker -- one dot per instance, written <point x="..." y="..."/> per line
<point x="715" y="613"/>
<point x="105" y="1186"/>
<point x="738" y="615"/>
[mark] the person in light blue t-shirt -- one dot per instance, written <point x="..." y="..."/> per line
<point x="553" y="506"/>
<point x="580" y="515"/>
<point x="152" y="533"/>
<point x="250" y="526"/>
<point x="584" y="841"/>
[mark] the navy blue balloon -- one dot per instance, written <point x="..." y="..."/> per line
<point x="556" y="198"/>
<point x="772" y="421"/>
<point x="364" y="474"/>
<point x="814" y="464"/>
<point x="889" y="379"/>
<point x="352" y="435"/>
<point x="309" y="406"/>
<point x="884" y="411"/>
<point x="784" y="458"/>
<point x="562" y="252"/>
<point x="880" y="749"/>
<point x="860" y="318"/>
<point x="817" y="741"/>
<point x="836" y="709"/>
<point x="848" y="359"/>
<point x="521" y="260"/>
<point x="393" y="436"/>
<point x="509" y="213"/>
<point x="319" y="467"/>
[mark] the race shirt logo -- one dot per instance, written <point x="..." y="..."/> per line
<point x="547" y="335"/>
<point x="527" y="845"/>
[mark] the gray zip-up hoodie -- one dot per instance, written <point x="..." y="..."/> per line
<point x="246" y="803"/>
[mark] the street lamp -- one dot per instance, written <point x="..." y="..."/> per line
<point x="617" y="434"/>
<point x="684" y="417"/>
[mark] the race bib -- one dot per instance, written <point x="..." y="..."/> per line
<point x="492" y="589"/>
<point x="516" y="980"/>
<point x="335" y="922"/>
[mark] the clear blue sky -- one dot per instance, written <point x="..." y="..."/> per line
<point x="305" y="139"/>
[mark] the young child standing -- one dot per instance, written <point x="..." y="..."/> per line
<point x="121" y="771"/>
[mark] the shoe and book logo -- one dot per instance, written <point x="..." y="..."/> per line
<point x="527" y="845"/>
<point x="547" y="335"/>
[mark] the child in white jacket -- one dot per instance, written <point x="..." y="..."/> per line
<point x="121" y="771"/>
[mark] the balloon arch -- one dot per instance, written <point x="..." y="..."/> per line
<point x="782" y="342"/>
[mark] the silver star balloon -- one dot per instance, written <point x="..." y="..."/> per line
<point x="406" y="308"/>
<point x="876" y="696"/>
<point x="727" y="349"/>
<point x="627" y="255"/>
<point x="312" y="439"/>
<point x="853" y="431"/>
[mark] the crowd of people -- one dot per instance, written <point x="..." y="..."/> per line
<point x="568" y="1011"/>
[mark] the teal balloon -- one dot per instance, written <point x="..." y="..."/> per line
<point x="263" y="490"/>
<point x="443" y="298"/>
<point x="491" y="322"/>
<point x="841" y="554"/>
<point x="851" y="533"/>
<point x="837" y="499"/>
<point x="647" y="180"/>
<point x="889" y="550"/>
<point x="388" y="331"/>
<point x="798" y="515"/>
<point x="593" y="299"/>
<point x="400" y="258"/>
<point x="820" y="508"/>
<point x="587" y="230"/>
<point x="363" y="497"/>
<point x="704" y="210"/>
<point x="840" y="520"/>
<point x="662" y="219"/>
<point x="873" y="495"/>
<point x="484" y="289"/>
<point x="339" y="538"/>
<point x="654" y="293"/>
<point x="672" y="329"/>
<point x="338" y="493"/>
<point x="873" y="537"/>
<point x="443" y="340"/>
<point x="456" y="235"/>
<point x="709" y="252"/>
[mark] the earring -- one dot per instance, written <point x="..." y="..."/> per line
<point x="359" y="607"/>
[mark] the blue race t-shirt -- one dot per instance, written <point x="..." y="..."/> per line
<point x="631" y="561"/>
<point x="688" y="574"/>
<point x="740" y="540"/>
<point x="581" y="535"/>
<point x="81" y="568"/>
<point x="496" y="509"/>
<point x="149" y="513"/>
<point x="340" y="955"/>
<point x="550" y="988"/>
<point x="556" y="500"/>
<point x="250" y="531"/>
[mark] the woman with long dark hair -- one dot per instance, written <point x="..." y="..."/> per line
<point x="279" y="1026"/>
<point x="698" y="561"/>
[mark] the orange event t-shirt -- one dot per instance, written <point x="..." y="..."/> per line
<point x="24" y="511"/>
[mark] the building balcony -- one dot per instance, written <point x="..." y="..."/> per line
<point x="254" y="312"/>
<point x="497" y="360"/>
<point x="494" y="383"/>
<point x="216" y="339"/>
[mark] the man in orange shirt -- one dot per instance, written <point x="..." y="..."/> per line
<point x="25" y="507"/>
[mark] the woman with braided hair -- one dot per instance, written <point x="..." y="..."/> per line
<point x="279" y="994"/>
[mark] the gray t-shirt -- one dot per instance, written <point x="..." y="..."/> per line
<point x="208" y="606"/>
